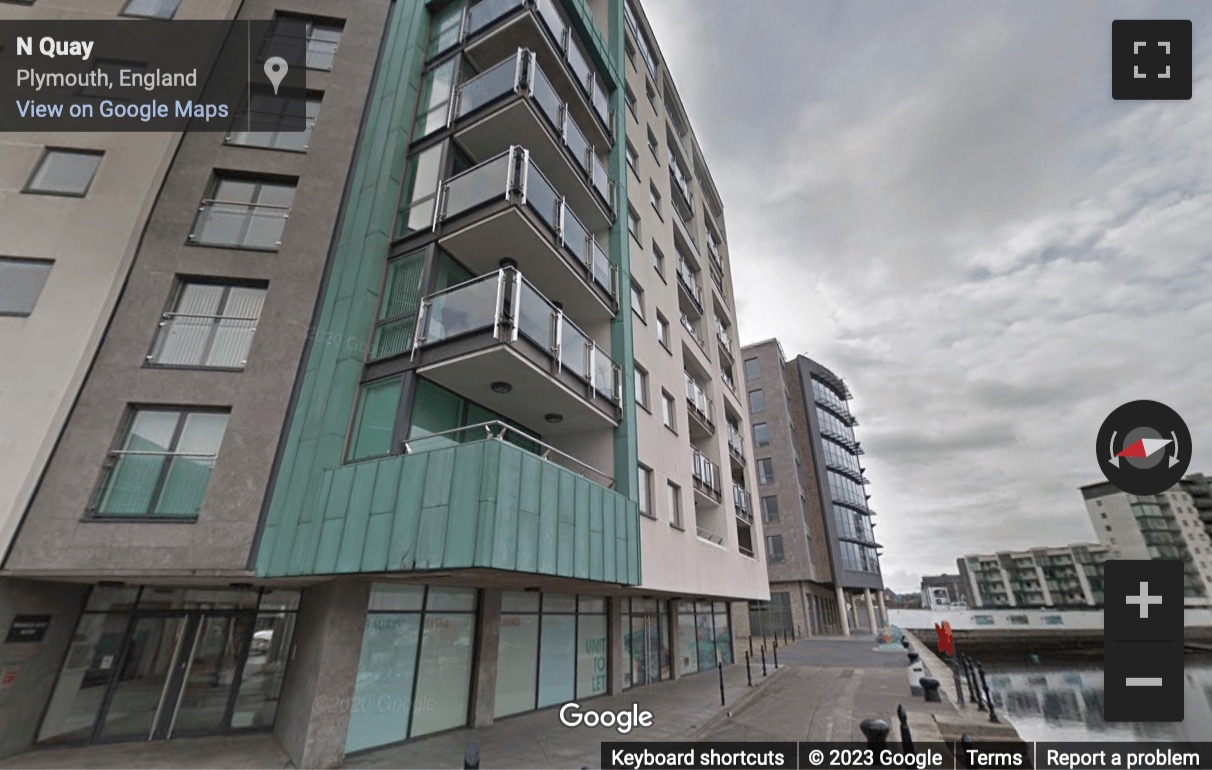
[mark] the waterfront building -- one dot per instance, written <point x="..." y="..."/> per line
<point x="1172" y="525"/>
<point x="943" y="592"/>
<point x="419" y="418"/>
<point x="1052" y="576"/>
<point x="812" y="496"/>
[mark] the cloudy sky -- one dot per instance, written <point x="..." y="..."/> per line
<point x="941" y="202"/>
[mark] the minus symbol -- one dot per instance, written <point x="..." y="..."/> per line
<point x="1143" y="681"/>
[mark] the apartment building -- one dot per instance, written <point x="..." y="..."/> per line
<point x="811" y="489"/>
<point x="444" y="380"/>
<point x="1053" y="577"/>
<point x="943" y="591"/>
<point x="1172" y="525"/>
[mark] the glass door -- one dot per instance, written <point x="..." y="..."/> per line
<point x="155" y="648"/>
<point x="203" y="696"/>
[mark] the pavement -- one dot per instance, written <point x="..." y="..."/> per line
<point x="822" y="690"/>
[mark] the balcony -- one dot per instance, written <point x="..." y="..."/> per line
<point x="709" y="536"/>
<point x="683" y="196"/>
<point x="846" y="470"/>
<point x="506" y="207"/>
<point x="700" y="408"/>
<point x="740" y="500"/>
<point x="499" y="329"/>
<point x="725" y="341"/>
<point x="688" y="281"/>
<point x="736" y="445"/>
<point x="486" y="493"/>
<point x="495" y="29"/>
<point x="514" y="100"/>
<point x="706" y="475"/>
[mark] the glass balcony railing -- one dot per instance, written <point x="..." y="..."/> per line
<point x="736" y="443"/>
<point x="689" y="326"/>
<point x="688" y="277"/>
<point x="482" y="15"/>
<point x="509" y="306"/>
<point x="722" y="337"/>
<point x="521" y="74"/>
<point x="512" y="175"/>
<point x="706" y="475"/>
<point x="740" y="500"/>
<point x="698" y="401"/>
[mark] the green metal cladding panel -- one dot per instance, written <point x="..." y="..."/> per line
<point x="424" y="511"/>
<point x="486" y="504"/>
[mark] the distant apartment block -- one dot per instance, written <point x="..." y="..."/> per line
<point x="1052" y="577"/>
<point x="1172" y="525"/>
<point x="943" y="592"/>
<point x="812" y="497"/>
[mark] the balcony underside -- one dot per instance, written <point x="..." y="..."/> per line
<point x="524" y="30"/>
<point x="480" y="239"/>
<point x="469" y="368"/>
<point x="515" y="121"/>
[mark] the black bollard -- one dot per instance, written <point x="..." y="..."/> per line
<point x="776" y="653"/>
<point x="763" y="660"/>
<point x="784" y="637"/>
<point x="985" y="686"/>
<point x="876" y="732"/>
<point x="471" y="756"/>
<point x="913" y="657"/>
<point x="750" y="644"/>
<point x="930" y="687"/>
<point x="720" y="666"/>
<point x="906" y="736"/>
<point x="905" y="642"/>
<point x="965" y="743"/>
<point x="959" y="685"/>
<point x="748" y="671"/>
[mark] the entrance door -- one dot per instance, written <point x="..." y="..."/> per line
<point x="176" y="675"/>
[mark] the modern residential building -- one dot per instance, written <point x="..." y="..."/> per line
<point x="445" y="381"/>
<point x="943" y="591"/>
<point x="822" y="553"/>
<point x="1051" y="576"/>
<point x="1172" y="525"/>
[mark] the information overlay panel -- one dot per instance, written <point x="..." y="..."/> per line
<point x="1127" y="755"/>
<point x="142" y="75"/>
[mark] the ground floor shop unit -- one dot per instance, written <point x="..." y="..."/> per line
<point x="335" y="667"/>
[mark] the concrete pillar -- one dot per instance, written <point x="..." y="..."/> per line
<point x="883" y="609"/>
<point x="614" y="637"/>
<point x="806" y="628"/>
<point x="843" y="614"/>
<point x="675" y="643"/>
<point x="870" y="609"/>
<point x="484" y="680"/>
<point x="314" y="708"/>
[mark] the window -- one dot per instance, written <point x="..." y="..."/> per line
<point x="774" y="549"/>
<point x="151" y="9"/>
<point x="162" y="465"/>
<point x="211" y="325"/>
<point x="64" y="172"/>
<point x="770" y="508"/>
<point x="641" y="386"/>
<point x="272" y="135"/>
<point x="243" y="213"/>
<point x="21" y="282"/>
<point x="630" y="96"/>
<point x="646" y="492"/>
<point x="422" y="172"/>
<point x="637" y="300"/>
<point x="675" y="505"/>
<point x="633" y="223"/>
<point x="629" y="49"/>
<point x="652" y="93"/>
<point x="322" y="36"/>
<point x="653" y="146"/>
<point x="375" y="419"/>
<point x="437" y="86"/>
<point x="654" y="197"/>
<point x="633" y="159"/>
<point x="658" y="260"/>
<point x="765" y="471"/>
<point x="444" y="28"/>
<point x="662" y="330"/>
<point x="751" y="369"/>
<point x="667" y="410"/>
<point x="761" y="434"/>
<point x="757" y="402"/>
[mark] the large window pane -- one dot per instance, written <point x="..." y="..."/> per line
<point x="246" y="214"/>
<point x="64" y="172"/>
<point x="421" y="174"/>
<point x="398" y="310"/>
<point x="723" y="635"/>
<point x="277" y="120"/>
<point x="444" y="678"/>
<point x="21" y="282"/>
<point x="383" y="693"/>
<point x="376" y="419"/>
<point x="557" y="657"/>
<point x="189" y="471"/>
<point x="706" y="639"/>
<point x="688" y="663"/>
<point x="518" y="650"/>
<point x="264" y="670"/>
<point x="435" y="410"/>
<point x="591" y="655"/>
<point x="211" y="325"/>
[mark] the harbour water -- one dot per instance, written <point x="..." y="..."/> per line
<point x="1061" y="699"/>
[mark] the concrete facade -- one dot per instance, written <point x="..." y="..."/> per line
<point x="1057" y="576"/>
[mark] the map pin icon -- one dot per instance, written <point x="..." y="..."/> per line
<point x="275" y="70"/>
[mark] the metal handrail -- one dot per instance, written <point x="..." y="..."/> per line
<point x="500" y="436"/>
<point x="161" y="454"/>
<point x="210" y="317"/>
<point x="246" y="204"/>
